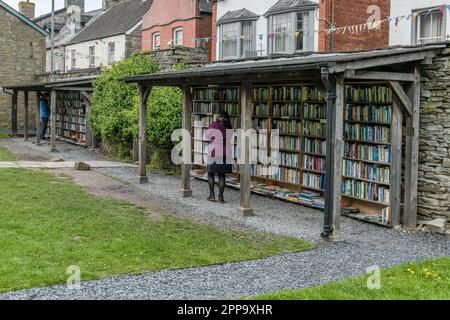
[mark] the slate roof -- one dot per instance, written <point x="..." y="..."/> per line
<point x="117" y="20"/>
<point x="291" y="5"/>
<point x="237" y="15"/>
<point x="23" y="18"/>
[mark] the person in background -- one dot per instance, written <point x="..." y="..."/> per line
<point x="218" y="154"/>
<point x="45" y="113"/>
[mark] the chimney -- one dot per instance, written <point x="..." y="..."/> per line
<point x="79" y="3"/>
<point x="108" y="3"/>
<point x="27" y="8"/>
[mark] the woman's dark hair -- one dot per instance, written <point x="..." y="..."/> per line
<point x="224" y="115"/>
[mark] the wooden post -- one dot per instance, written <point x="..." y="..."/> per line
<point x="335" y="151"/>
<point x="53" y="121"/>
<point x="14" y="114"/>
<point x="145" y="93"/>
<point x="26" y="120"/>
<point x="246" y="124"/>
<point x="89" y="134"/>
<point x="186" y="190"/>
<point x="412" y="155"/>
<point x="38" y="120"/>
<point x="396" y="169"/>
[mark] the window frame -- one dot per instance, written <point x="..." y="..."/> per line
<point x="73" y="59"/>
<point x="416" y="25"/>
<point x="239" y="45"/>
<point x="154" y="35"/>
<point x="308" y="40"/>
<point x="111" y="53"/>
<point x="92" y="56"/>
<point x="174" y="36"/>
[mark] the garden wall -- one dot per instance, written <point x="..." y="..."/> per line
<point x="434" y="155"/>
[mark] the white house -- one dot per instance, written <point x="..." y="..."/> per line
<point x="113" y="35"/>
<point x="260" y="27"/>
<point x="422" y="21"/>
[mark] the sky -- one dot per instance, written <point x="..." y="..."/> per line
<point x="45" y="6"/>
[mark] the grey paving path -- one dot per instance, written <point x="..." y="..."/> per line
<point x="364" y="246"/>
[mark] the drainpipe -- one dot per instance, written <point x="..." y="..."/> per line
<point x="331" y="97"/>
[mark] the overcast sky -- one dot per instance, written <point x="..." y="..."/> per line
<point x="45" y="6"/>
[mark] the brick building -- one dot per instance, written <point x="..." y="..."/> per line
<point x="22" y="56"/>
<point x="170" y="23"/>
<point x="266" y="27"/>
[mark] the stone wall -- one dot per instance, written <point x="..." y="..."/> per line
<point x="434" y="155"/>
<point x="169" y="58"/>
<point x="22" y="56"/>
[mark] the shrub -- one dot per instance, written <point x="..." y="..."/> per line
<point x="114" y="112"/>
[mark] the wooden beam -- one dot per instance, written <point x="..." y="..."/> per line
<point x="246" y="124"/>
<point x="379" y="76"/>
<point x="145" y="93"/>
<point x="382" y="61"/>
<point x="186" y="190"/>
<point x="402" y="96"/>
<point x="335" y="153"/>
<point x="14" y="113"/>
<point x="86" y="96"/>
<point x="79" y="89"/>
<point x="396" y="166"/>
<point x="38" y="119"/>
<point x="89" y="134"/>
<point x="26" y="116"/>
<point x="53" y="121"/>
<point x="412" y="155"/>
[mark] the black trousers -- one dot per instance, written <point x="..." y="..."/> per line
<point x="212" y="183"/>
<point x="44" y="128"/>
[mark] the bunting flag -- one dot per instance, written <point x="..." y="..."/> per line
<point x="442" y="10"/>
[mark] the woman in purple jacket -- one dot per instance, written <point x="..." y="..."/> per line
<point x="219" y="154"/>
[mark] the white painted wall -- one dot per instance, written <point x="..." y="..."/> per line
<point x="259" y="7"/>
<point x="101" y="52"/>
<point x="402" y="34"/>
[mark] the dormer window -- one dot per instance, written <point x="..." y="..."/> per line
<point x="237" y="34"/>
<point x="291" y="25"/>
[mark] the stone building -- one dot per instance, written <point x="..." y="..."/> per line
<point x="22" y="56"/>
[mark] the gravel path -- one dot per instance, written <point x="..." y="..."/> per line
<point x="364" y="245"/>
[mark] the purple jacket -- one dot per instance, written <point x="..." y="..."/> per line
<point x="217" y="134"/>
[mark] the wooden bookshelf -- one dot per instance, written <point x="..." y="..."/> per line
<point x="71" y="122"/>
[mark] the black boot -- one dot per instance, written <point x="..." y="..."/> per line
<point x="212" y="198"/>
<point x="221" y="199"/>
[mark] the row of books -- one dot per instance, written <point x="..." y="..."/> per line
<point x="79" y="111"/>
<point x="202" y="121"/>
<point x="368" y="93"/>
<point x="71" y="119"/>
<point x="289" y="159"/>
<point x="288" y="93"/>
<point x="260" y="124"/>
<point x="366" y="152"/>
<point x="70" y="100"/>
<point x="369" y="113"/>
<point x="258" y="155"/>
<point x="287" y="175"/>
<point x="261" y="94"/>
<point x="365" y="190"/>
<point x="367" y="133"/>
<point x="261" y="110"/>
<point x="287" y="110"/>
<point x="314" y="129"/>
<point x="315" y="146"/>
<point x="231" y="108"/>
<point x="287" y="126"/>
<point x="313" y="163"/>
<point x="314" y="111"/>
<point x="228" y="94"/>
<point x="71" y="126"/>
<point x="73" y="135"/>
<point x="311" y="198"/>
<point x="313" y="180"/>
<point x="290" y="143"/>
<point x="202" y="107"/>
<point x="361" y="170"/>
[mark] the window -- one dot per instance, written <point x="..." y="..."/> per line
<point x="73" y="56"/>
<point x="111" y="52"/>
<point x="156" y="41"/>
<point x="237" y="39"/>
<point x="178" y="36"/>
<point x="429" y="27"/>
<point x="92" y="56"/>
<point x="291" y="32"/>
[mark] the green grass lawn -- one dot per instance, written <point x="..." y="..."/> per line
<point x="4" y="136"/>
<point x="5" y="155"/>
<point x="414" y="281"/>
<point x="47" y="224"/>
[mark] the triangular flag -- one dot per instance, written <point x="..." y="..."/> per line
<point x="408" y="17"/>
<point x="414" y="16"/>
<point x="448" y="7"/>
<point x="396" y="21"/>
<point x="442" y="10"/>
<point x="297" y="34"/>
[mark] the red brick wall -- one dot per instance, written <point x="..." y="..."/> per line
<point x="166" y="15"/>
<point x="346" y="13"/>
